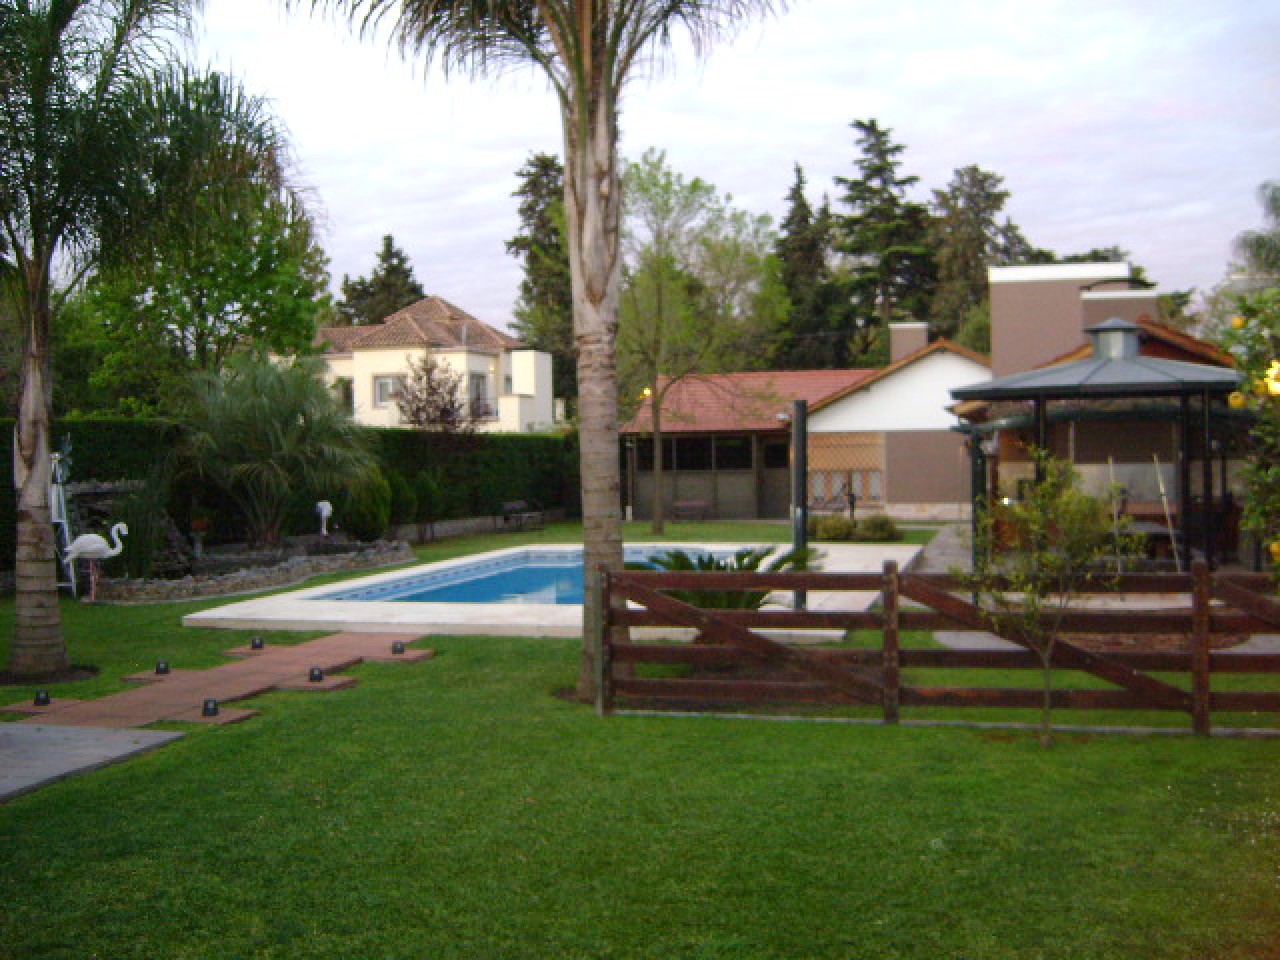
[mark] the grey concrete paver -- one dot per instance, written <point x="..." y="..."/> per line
<point x="32" y="755"/>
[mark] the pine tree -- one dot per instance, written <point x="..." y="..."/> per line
<point x="884" y="235"/>
<point x="544" y="310"/>
<point x="966" y="238"/>
<point x="389" y="288"/>
<point x="803" y="247"/>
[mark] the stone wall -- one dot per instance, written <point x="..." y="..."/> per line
<point x="291" y="571"/>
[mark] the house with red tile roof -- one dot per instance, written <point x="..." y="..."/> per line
<point x="508" y="386"/>
<point x="882" y="436"/>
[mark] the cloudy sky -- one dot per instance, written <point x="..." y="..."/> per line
<point x="1147" y="124"/>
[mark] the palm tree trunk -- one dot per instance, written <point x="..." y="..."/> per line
<point x="592" y="205"/>
<point x="38" y="644"/>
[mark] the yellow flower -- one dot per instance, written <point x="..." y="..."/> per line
<point x="1275" y="550"/>
<point x="1238" y="322"/>
<point x="1237" y="400"/>
<point x="1272" y="379"/>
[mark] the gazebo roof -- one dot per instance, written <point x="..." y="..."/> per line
<point x="1116" y="369"/>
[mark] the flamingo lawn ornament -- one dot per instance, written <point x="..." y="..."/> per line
<point x="94" y="548"/>
<point x="325" y="509"/>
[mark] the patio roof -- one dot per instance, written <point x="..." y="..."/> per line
<point x="1116" y="369"/>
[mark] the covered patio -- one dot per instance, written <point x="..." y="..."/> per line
<point x="1118" y="404"/>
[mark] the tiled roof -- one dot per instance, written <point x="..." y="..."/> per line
<point x="724" y="402"/>
<point x="431" y="322"/>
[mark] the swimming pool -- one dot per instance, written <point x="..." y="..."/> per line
<point x="536" y="575"/>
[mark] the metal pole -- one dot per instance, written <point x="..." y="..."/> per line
<point x="800" y="485"/>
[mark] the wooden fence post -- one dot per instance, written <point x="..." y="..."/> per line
<point x="1200" y="678"/>
<point x="604" y="662"/>
<point x="892" y="642"/>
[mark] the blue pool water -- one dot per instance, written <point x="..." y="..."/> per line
<point x="525" y="576"/>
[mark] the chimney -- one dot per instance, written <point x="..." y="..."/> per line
<point x="906" y="338"/>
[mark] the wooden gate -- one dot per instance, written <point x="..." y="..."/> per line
<point x="1218" y="607"/>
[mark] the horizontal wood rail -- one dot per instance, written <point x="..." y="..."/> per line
<point x="1217" y="607"/>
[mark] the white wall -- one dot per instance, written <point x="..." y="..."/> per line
<point x="914" y="397"/>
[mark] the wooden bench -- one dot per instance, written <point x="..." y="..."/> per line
<point x="690" y="510"/>
<point x="523" y="515"/>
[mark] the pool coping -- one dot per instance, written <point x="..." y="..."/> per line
<point x="301" y="610"/>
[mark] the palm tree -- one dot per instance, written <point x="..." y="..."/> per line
<point x="96" y="144"/>
<point x="588" y="50"/>
<point x="263" y="432"/>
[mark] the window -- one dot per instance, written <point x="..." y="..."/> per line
<point x="733" y="453"/>
<point x="385" y="389"/>
<point x="506" y="384"/>
<point x="777" y="454"/>
<point x="478" y="393"/>
<point x="344" y="391"/>
<point x="693" y="453"/>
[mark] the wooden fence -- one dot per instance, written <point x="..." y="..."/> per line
<point x="1218" y="606"/>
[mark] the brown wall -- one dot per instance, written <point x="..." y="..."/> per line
<point x="926" y="466"/>
<point x="906" y="338"/>
<point x="1033" y="322"/>
<point x="1099" y="307"/>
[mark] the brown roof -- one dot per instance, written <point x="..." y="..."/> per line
<point x="431" y="322"/>
<point x="938" y="346"/>
<point x="1159" y="340"/>
<point x="740" y="402"/>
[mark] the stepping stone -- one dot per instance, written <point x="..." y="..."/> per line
<point x="27" y="707"/>
<point x="330" y="682"/>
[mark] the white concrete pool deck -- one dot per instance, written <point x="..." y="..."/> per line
<point x="300" y="610"/>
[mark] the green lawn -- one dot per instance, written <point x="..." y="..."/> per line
<point x="455" y="808"/>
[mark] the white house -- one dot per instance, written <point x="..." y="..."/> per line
<point x="889" y="439"/>
<point x="508" y="386"/>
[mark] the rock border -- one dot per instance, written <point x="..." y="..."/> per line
<point x="254" y="579"/>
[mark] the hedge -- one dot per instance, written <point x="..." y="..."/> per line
<point x="470" y="475"/>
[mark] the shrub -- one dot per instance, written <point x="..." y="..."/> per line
<point x="878" y="528"/>
<point x="404" y="498"/>
<point x="834" y="528"/>
<point x="364" y="510"/>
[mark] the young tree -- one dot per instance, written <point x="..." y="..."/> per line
<point x="884" y="234"/>
<point x="1054" y="543"/>
<point x="433" y="397"/>
<point x="588" y="50"/>
<point x="700" y="290"/>
<point x="390" y="287"/>
<point x="98" y="141"/>
<point x="544" y="311"/>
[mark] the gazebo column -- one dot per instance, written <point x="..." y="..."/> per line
<point x="1041" y="416"/>
<point x="1206" y="476"/>
<point x="1184" y="478"/>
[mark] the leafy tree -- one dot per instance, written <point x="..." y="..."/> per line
<point x="1253" y="337"/>
<point x="544" y="311"/>
<point x="247" y="281"/>
<point x="884" y="235"/>
<point x="1061" y="542"/>
<point x="433" y="397"/>
<point x="264" y="433"/>
<point x="700" y="289"/>
<point x="98" y="141"/>
<point x="588" y="51"/>
<point x="1261" y="248"/>
<point x="967" y="237"/>
<point x="390" y="287"/>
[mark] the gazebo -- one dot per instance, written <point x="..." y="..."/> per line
<point x="1118" y="371"/>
